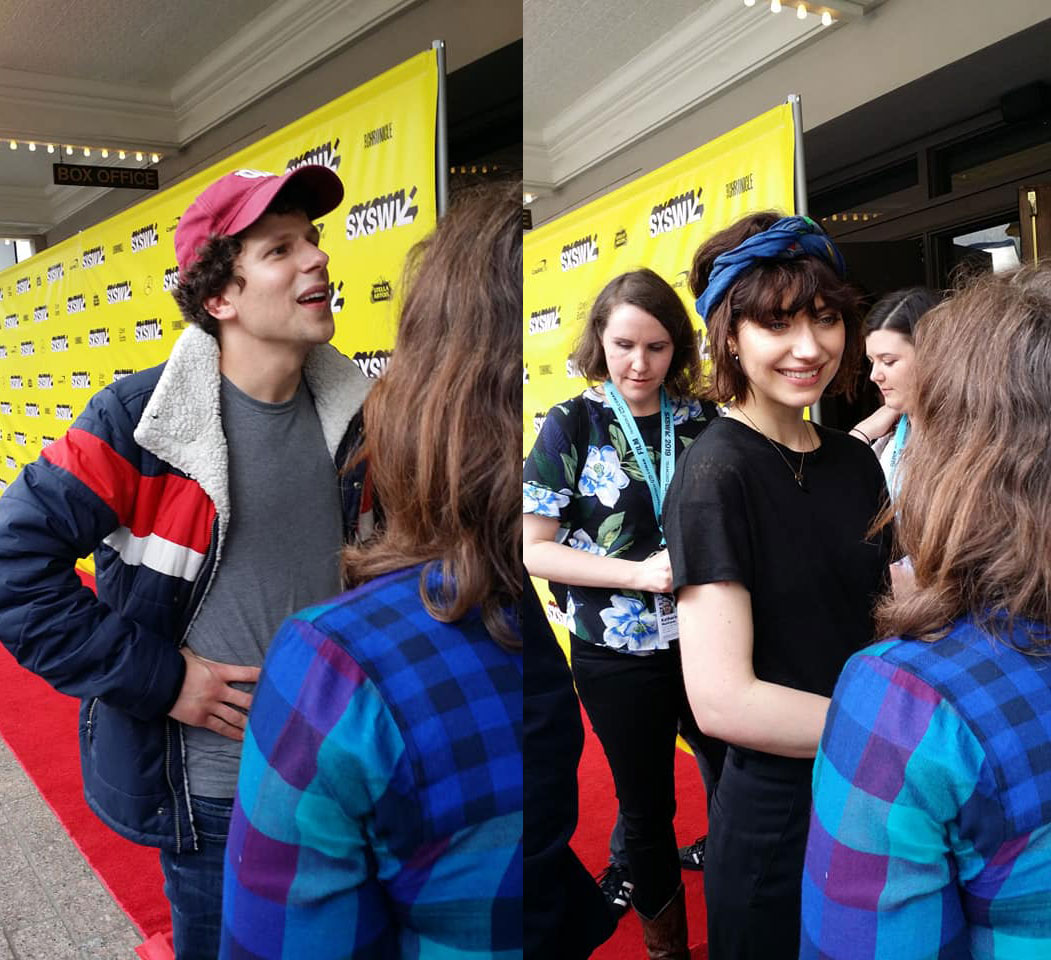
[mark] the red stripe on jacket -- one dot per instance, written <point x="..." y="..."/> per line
<point x="172" y="507"/>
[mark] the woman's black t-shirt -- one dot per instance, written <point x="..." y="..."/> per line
<point x="734" y="512"/>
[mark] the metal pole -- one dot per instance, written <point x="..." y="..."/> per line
<point x="799" y="165"/>
<point x="441" y="136"/>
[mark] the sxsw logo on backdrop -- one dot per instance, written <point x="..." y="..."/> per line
<point x="323" y="155"/>
<point x="540" y="321"/>
<point x="144" y="238"/>
<point x="64" y="411"/>
<point x="382" y="213"/>
<point x="171" y="279"/>
<point x="55" y="272"/>
<point x="46" y="442"/>
<point x="59" y="344"/>
<point x="3" y="352"/>
<point x="676" y="212"/>
<point x="379" y="135"/>
<point x="40" y="314"/>
<point x="15" y="381"/>
<point x="76" y="304"/>
<point x="11" y="321"/>
<point x="372" y="363"/>
<point x="148" y="330"/>
<point x="95" y="257"/>
<point x="20" y="438"/>
<point x="5" y="407"/>
<point x="121" y="373"/>
<point x="80" y="380"/>
<point x="572" y="370"/>
<point x="44" y="381"/>
<point x="32" y="410"/>
<point x="9" y="462"/>
<point x="579" y="252"/>
<point x="22" y="285"/>
<point x="25" y="348"/>
<point x="118" y="292"/>
<point x="525" y="375"/>
<point x="98" y="337"/>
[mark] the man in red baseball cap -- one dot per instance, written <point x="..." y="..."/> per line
<point x="208" y="489"/>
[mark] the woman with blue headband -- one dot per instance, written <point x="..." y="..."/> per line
<point x="773" y="571"/>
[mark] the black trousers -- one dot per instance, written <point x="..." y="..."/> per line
<point x="753" y="869"/>
<point x="635" y="705"/>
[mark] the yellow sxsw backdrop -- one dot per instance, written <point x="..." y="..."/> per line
<point x="657" y="221"/>
<point x="98" y="306"/>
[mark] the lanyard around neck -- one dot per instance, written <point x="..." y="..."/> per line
<point x="901" y="437"/>
<point x="642" y="457"/>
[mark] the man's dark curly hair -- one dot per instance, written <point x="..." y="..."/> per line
<point x="214" y="268"/>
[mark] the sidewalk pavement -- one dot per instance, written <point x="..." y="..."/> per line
<point x="52" y="906"/>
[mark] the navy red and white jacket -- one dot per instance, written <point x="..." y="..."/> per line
<point x="141" y="480"/>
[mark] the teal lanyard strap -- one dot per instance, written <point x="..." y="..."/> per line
<point x="901" y="437"/>
<point x="642" y="457"/>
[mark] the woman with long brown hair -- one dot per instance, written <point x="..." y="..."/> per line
<point x="931" y="827"/>
<point x="379" y="808"/>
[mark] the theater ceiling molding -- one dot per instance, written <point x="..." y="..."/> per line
<point x="601" y="75"/>
<point x="145" y="74"/>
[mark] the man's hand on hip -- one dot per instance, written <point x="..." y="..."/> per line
<point x="207" y="699"/>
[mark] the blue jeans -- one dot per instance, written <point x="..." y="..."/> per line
<point x="193" y="882"/>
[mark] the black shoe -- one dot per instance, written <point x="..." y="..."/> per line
<point x="616" y="886"/>
<point x="692" y="857"/>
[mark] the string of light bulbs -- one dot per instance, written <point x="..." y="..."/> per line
<point x="70" y="150"/>
<point x="801" y="11"/>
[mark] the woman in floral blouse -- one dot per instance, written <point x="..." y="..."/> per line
<point x="593" y="488"/>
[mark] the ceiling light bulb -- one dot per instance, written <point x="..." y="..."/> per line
<point x="775" y="6"/>
<point x="69" y="151"/>
<point x="14" y="144"/>
<point x="32" y="146"/>
<point x="105" y="153"/>
<point x="154" y="157"/>
<point x="826" y="19"/>
<point x="87" y="151"/>
<point x="138" y="155"/>
<point x="121" y="154"/>
<point x="801" y="11"/>
<point x="749" y="3"/>
<point x="50" y="148"/>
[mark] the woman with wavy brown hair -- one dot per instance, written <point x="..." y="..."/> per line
<point x="379" y="808"/>
<point x="931" y="827"/>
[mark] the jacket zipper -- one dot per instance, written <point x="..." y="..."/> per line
<point x="210" y="567"/>
<point x="91" y="715"/>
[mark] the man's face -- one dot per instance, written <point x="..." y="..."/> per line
<point x="283" y="295"/>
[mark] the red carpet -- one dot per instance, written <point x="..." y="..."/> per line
<point x="40" y="727"/>
<point x="598" y="811"/>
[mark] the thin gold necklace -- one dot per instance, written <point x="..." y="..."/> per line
<point x="798" y="474"/>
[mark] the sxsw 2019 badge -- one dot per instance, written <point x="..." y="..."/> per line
<point x="579" y="252"/>
<point x="675" y="212"/>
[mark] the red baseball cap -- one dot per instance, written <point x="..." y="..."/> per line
<point x="234" y="202"/>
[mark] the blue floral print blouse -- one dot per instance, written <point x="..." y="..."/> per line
<point x="582" y="472"/>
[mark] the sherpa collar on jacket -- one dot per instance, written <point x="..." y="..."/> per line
<point x="181" y="423"/>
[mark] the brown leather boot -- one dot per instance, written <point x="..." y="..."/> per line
<point x="665" y="934"/>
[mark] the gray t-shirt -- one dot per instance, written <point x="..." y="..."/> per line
<point x="281" y="551"/>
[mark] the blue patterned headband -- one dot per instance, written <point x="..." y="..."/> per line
<point x="787" y="239"/>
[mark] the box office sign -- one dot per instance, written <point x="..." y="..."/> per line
<point x="82" y="175"/>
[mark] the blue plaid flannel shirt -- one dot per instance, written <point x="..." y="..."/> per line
<point x="379" y="806"/>
<point x="930" y="835"/>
